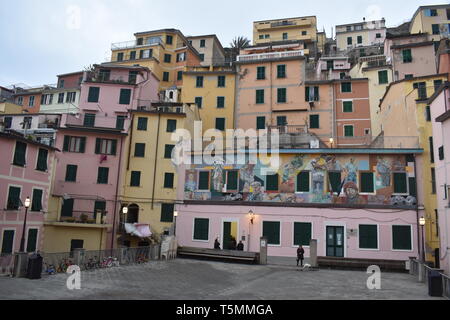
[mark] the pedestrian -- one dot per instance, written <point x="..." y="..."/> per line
<point x="217" y="244"/>
<point x="240" y="246"/>
<point x="300" y="255"/>
<point x="233" y="243"/>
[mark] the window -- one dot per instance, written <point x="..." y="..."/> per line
<point x="169" y="39"/>
<point x="285" y="36"/>
<point x="430" y="141"/>
<point x="202" y="57"/>
<point x="20" y="154"/>
<point x="314" y="121"/>
<point x="441" y="153"/>
<point x="378" y="35"/>
<point x="180" y="75"/>
<point x="168" y="151"/>
<point x="139" y="150"/>
<point x="348" y="131"/>
<point x="42" y="160"/>
<point x="199" y="82"/>
<point x="407" y="56"/>
<point x="407" y="76"/>
<point x="94" y="93"/>
<point x="220" y="124"/>
<point x="125" y="96"/>
<point x="181" y="56"/>
<point x="281" y="121"/>
<point x="267" y="36"/>
<point x="401" y="238"/>
<point x="8" y="122"/>
<point x="260" y="123"/>
<point x="74" y="144"/>
<point x="99" y="207"/>
<point x="8" y="241"/>
<point x="433" y="181"/>
<point x="104" y="74"/>
<point x="71" y="173"/>
<point x="281" y="95"/>
<point x="272" y="182"/>
<point x="383" y="77"/>
<point x="166" y="76"/>
<point x="13" y="198"/>
<point x="201" y="229"/>
<point x="220" y="102"/>
<point x="312" y="94"/>
<point x="32" y="240"/>
<point x="89" y="120"/>
<point x="167" y="58"/>
<point x="435" y="28"/>
<point x="221" y="81"/>
<point x="347" y="106"/>
<point x="448" y="14"/>
<point x="198" y="101"/>
<point x="260" y="73"/>
<point x="400" y="183"/>
<point x="232" y="180"/>
<point x="120" y="122"/>
<point x="102" y="175"/>
<point x="368" y="236"/>
<point x="120" y="56"/>
<point x="105" y="146"/>
<point x="67" y="208"/>
<point x="47" y="99"/>
<point x="26" y="124"/>
<point x="304" y="33"/>
<point x="202" y="43"/>
<point x="335" y="181"/>
<point x="135" y="179"/>
<point x="366" y="182"/>
<point x="133" y="55"/>
<point x="31" y="101"/>
<point x="146" y="54"/>
<point x="167" y="212"/>
<point x="168" y="180"/>
<point x="20" y="101"/>
<point x="346" y="87"/>
<point x="359" y="39"/>
<point x="132" y="77"/>
<point x="303" y="184"/>
<point x="61" y="97"/>
<point x="302" y="233"/>
<point x="171" y="125"/>
<point x="421" y="90"/>
<point x="349" y="41"/>
<point x="203" y="180"/>
<point x="142" y="124"/>
<point x="271" y="230"/>
<point x="61" y="84"/>
<point x="437" y="84"/>
<point x="260" y="96"/>
<point x="281" y="71"/>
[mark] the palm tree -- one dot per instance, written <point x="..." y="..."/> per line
<point x="236" y="45"/>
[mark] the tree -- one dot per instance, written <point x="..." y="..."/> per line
<point x="240" y="43"/>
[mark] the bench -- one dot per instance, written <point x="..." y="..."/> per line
<point x="213" y="254"/>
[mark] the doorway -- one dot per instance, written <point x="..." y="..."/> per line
<point x="335" y="241"/>
<point x="230" y="230"/>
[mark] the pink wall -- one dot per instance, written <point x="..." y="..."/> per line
<point x="71" y="80"/>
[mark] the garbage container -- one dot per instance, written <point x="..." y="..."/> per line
<point x="34" y="266"/>
<point x="434" y="283"/>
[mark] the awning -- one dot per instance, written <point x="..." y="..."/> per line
<point x="138" y="230"/>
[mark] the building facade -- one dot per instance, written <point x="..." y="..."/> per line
<point x="361" y="34"/>
<point x="434" y="20"/>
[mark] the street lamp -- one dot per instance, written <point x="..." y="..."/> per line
<point x="175" y="214"/>
<point x="22" y="241"/>
<point x="252" y="217"/>
<point x="422" y="224"/>
<point x="331" y="142"/>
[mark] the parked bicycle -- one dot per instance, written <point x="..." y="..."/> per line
<point x="64" y="265"/>
<point x="93" y="263"/>
<point x="50" y="269"/>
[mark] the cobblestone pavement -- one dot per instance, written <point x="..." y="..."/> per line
<point x="184" y="279"/>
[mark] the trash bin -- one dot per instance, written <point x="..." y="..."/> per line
<point x="434" y="283"/>
<point x="34" y="266"/>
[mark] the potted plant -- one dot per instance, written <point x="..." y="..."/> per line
<point x="84" y="218"/>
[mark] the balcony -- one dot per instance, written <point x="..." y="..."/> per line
<point x="134" y="44"/>
<point x="105" y="78"/>
<point x="161" y="106"/>
<point x="270" y="56"/>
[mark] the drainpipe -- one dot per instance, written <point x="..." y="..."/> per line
<point x="333" y="127"/>
<point x="156" y="160"/>
<point x="116" y="196"/>
<point x="417" y="209"/>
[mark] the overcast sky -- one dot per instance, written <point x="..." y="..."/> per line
<point x="40" y="39"/>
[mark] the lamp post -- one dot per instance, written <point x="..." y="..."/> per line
<point x="175" y="215"/>
<point x="124" y="211"/>
<point x="251" y="214"/>
<point x="331" y="142"/>
<point x="22" y="241"/>
<point x="422" y="224"/>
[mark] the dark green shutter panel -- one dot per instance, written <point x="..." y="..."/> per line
<point x="135" y="179"/>
<point x="271" y="230"/>
<point x="7" y="242"/>
<point x="335" y="181"/>
<point x="272" y="182"/>
<point x="201" y="229"/>
<point x="36" y="205"/>
<point x="203" y="180"/>
<point x="19" y="154"/>
<point x="368" y="237"/>
<point x="103" y="175"/>
<point x="412" y="187"/>
<point x="139" y="150"/>
<point x="348" y="106"/>
<point x="281" y="95"/>
<point x="167" y="212"/>
<point x="32" y="240"/>
<point x="314" y="121"/>
<point x="125" y="96"/>
<point x="99" y="205"/>
<point x="220" y="124"/>
<point x="306" y="93"/>
<point x="66" y="143"/>
<point x="401" y="237"/>
<point x="168" y="151"/>
<point x="260" y="123"/>
<point x="98" y="143"/>
<point x="71" y="173"/>
<point x="113" y="147"/>
<point x="82" y="144"/>
<point x="67" y="208"/>
<point x="303" y="181"/>
<point x="42" y="160"/>
<point x="168" y="180"/>
<point x="171" y="125"/>
<point x="232" y="180"/>
<point x="302" y="233"/>
<point x="142" y="124"/>
<point x="13" y="198"/>
<point x="366" y="182"/>
<point x="400" y="182"/>
<point x="316" y="94"/>
<point x="94" y="93"/>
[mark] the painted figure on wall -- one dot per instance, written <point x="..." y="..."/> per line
<point x="257" y="193"/>
<point x="383" y="179"/>
<point x="246" y="177"/>
<point x="217" y="176"/>
<point x="351" y="169"/>
<point x="352" y="194"/>
<point x="191" y="184"/>
<point x="289" y="171"/>
<point x="318" y="177"/>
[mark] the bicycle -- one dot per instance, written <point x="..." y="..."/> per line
<point x="64" y="265"/>
<point x="50" y="269"/>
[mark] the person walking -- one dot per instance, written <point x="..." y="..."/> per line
<point x="217" y="244"/>
<point x="300" y="255"/>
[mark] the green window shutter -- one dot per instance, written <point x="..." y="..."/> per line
<point x="346" y="87"/>
<point x="348" y="106"/>
<point x="142" y="124"/>
<point x="199" y="82"/>
<point x="13" y="198"/>
<point x="166" y="76"/>
<point x="167" y="58"/>
<point x="171" y="125"/>
<point x="221" y="81"/>
<point x="168" y="180"/>
<point x="307" y="94"/>
<point x="94" y="93"/>
<point x="67" y="208"/>
<point x="139" y="150"/>
<point x="42" y="160"/>
<point x="368" y="236"/>
<point x="180" y="75"/>
<point x="19" y="154"/>
<point x="316" y="94"/>
<point x="99" y="206"/>
<point x="8" y="241"/>
<point x="201" y="229"/>
<point x="349" y="40"/>
<point x="271" y="230"/>
<point x="203" y="180"/>
<point x="120" y="122"/>
<point x="260" y="96"/>
<point x="401" y="237"/>
<point x="89" y="120"/>
<point x="198" y="101"/>
<point x="66" y="143"/>
<point x="261" y="73"/>
<point x="220" y="102"/>
<point x="400" y="182"/>
<point x="125" y="96"/>
<point x="232" y="180"/>
<point x="412" y="186"/>
<point x="168" y="151"/>
<point x="428" y="113"/>
<point x="407" y="57"/>
<point x="36" y="204"/>
<point x="103" y="174"/>
<point x="335" y="181"/>
<point x="281" y="71"/>
<point x="360" y="39"/>
<point x="272" y="182"/>
<point x="314" y="121"/>
<point x="113" y="147"/>
<point x="303" y="183"/>
<point x="71" y="173"/>
<point x="382" y="77"/>
<point x="220" y="124"/>
<point x="302" y="233"/>
<point x="281" y="121"/>
<point x="32" y="240"/>
<point x="260" y="123"/>
<point x="430" y="140"/>
<point x="167" y="212"/>
<point x="348" y="131"/>
<point x="366" y="182"/>
<point x="82" y="144"/>
<point x="135" y="179"/>
<point x="98" y="144"/>
<point x="281" y="95"/>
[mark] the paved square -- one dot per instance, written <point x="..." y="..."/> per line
<point x="184" y="279"/>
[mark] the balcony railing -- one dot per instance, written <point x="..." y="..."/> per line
<point x="271" y="55"/>
<point x="283" y="23"/>
<point x="134" y="44"/>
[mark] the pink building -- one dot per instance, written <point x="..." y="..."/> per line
<point x="26" y="170"/>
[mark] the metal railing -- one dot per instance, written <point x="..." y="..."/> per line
<point x="421" y="270"/>
<point x="271" y="55"/>
<point x="445" y="286"/>
<point x="6" y="265"/>
<point x="134" y="44"/>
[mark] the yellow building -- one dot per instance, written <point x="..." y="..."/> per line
<point x="433" y="20"/>
<point x="149" y="189"/>
<point x="213" y="90"/>
<point x="404" y="113"/>
<point x="301" y="28"/>
<point x="165" y="52"/>
<point x="10" y="108"/>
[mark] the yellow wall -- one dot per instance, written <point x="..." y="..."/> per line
<point x="58" y="239"/>
<point x="341" y="39"/>
<point x="308" y="24"/>
<point x="423" y="24"/>
<point x="10" y="108"/>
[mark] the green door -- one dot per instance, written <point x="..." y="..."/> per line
<point x="226" y="235"/>
<point x="335" y="241"/>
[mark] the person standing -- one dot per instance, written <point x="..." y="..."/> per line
<point x="217" y="244"/>
<point x="240" y="246"/>
<point x="300" y="255"/>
